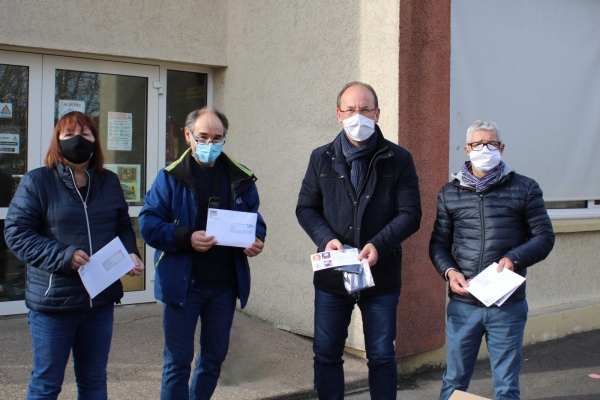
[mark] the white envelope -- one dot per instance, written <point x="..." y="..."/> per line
<point x="106" y="266"/>
<point x="231" y="228"/>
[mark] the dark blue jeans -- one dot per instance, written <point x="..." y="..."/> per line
<point x="503" y="328"/>
<point x="215" y="308"/>
<point x="87" y="334"/>
<point x="332" y="318"/>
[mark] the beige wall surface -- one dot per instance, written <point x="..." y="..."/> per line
<point x="570" y="274"/>
<point x="287" y="60"/>
<point x="190" y="31"/>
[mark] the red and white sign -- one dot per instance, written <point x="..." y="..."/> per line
<point x="66" y="106"/>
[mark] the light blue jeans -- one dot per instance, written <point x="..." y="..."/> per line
<point x="503" y="328"/>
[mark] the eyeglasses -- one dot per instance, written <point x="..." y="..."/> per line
<point x="478" y="146"/>
<point x="363" y="111"/>
<point x="206" y="141"/>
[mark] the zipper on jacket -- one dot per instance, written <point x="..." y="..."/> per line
<point x="482" y="233"/>
<point x="49" y="284"/>
<point x="356" y="227"/>
<point x="87" y="218"/>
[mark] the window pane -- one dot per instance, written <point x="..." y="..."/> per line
<point x="566" y="204"/>
<point x="134" y="283"/>
<point x="14" y="90"/>
<point x="117" y="103"/>
<point x="186" y="91"/>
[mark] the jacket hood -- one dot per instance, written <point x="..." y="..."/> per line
<point x="457" y="176"/>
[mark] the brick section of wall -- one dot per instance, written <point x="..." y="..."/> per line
<point x="424" y="121"/>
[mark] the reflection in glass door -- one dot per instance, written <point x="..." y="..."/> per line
<point x="117" y="97"/>
<point x="118" y="106"/>
<point x="18" y="101"/>
<point x="14" y="95"/>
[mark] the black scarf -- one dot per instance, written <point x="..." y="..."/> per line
<point x="357" y="157"/>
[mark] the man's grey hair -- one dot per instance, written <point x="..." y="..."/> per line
<point x="194" y="115"/>
<point x="356" y="83"/>
<point x="482" y="125"/>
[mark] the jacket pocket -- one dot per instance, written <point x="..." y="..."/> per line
<point x="337" y="176"/>
<point x="49" y="284"/>
<point x="454" y="251"/>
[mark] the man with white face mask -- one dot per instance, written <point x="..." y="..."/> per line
<point x="360" y="190"/>
<point x="488" y="213"/>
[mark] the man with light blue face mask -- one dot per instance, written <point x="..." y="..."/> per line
<point x="195" y="278"/>
<point x="359" y="190"/>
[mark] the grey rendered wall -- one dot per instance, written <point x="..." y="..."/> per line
<point x="189" y="31"/>
<point x="287" y="60"/>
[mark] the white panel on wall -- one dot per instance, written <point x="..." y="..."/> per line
<point x="532" y="67"/>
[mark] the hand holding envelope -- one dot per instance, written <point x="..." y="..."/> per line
<point x="233" y="228"/>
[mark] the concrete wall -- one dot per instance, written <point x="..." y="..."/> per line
<point x="287" y="60"/>
<point x="190" y="31"/>
<point x="570" y="274"/>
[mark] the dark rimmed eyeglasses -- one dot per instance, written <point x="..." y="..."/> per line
<point x="363" y="111"/>
<point x="478" y="146"/>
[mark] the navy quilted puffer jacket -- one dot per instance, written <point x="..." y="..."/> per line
<point x="47" y="222"/>
<point x="474" y="230"/>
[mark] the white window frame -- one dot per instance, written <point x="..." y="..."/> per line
<point x="592" y="211"/>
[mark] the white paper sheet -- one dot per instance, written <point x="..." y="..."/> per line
<point x="105" y="267"/>
<point x="334" y="258"/>
<point x="231" y="228"/>
<point x="491" y="287"/>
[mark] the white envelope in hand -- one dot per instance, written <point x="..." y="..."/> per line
<point x="231" y="228"/>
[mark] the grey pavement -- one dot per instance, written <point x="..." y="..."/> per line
<point x="267" y="363"/>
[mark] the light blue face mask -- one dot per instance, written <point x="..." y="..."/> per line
<point x="207" y="153"/>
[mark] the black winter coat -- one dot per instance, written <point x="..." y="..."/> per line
<point x="473" y="230"/>
<point x="386" y="211"/>
<point x="47" y="222"/>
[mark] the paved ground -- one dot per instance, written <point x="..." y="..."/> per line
<point x="554" y="370"/>
<point x="263" y="362"/>
<point x="267" y="363"/>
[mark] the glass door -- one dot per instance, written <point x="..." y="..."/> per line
<point x="122" y="100"/>
<point x="20" y="99"/>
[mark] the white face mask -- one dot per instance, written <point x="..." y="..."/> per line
<point x="485" y="160"/>
<point x="358" y="127"/>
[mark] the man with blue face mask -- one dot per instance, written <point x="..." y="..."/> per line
<point x="487" y="214"/>
<point x="360" y="190"/>
<point x="196" y="278"/>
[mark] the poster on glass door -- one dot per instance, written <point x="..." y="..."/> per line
<point x="120" y="131"/>
<point x="6" y="110"/>
<point x="9" y="143"/>
<point x="129" y="176"/>
<point x="66" y="106"/>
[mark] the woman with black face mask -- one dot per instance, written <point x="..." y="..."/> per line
<point x="60" y="215"/>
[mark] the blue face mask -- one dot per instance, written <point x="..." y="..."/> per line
<point x="207" y="153"/>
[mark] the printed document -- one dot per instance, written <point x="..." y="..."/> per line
<point x="334" y="258"/>
<point x="491" y="287"/>
<point x="231" y="228"/>
<point x="105" y="267"/>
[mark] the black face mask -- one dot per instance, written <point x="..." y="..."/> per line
<point x="77" y="149"/>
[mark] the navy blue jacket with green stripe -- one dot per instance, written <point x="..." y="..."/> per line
<point x="170" y="210"/>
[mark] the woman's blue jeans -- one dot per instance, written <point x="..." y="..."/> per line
<point x="88" y="334"/>
<point x="503" y="328"/>
<point x="332" y="318"/>
<point x="215" y="308"/>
